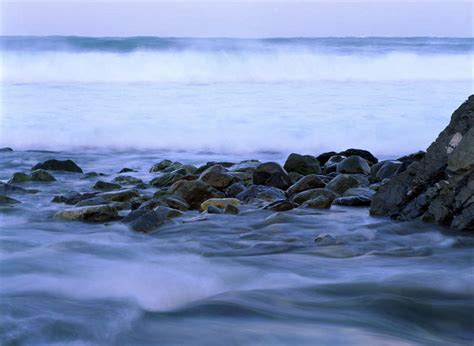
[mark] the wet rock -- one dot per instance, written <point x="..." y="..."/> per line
<point x="194" y="192"/>
<point x="362" y="179"/>
<point x="233" y="190"/>
<point x="170" y="213"/>
<point x="242" y="177"/>
<point x="173" y="167"/>
<point x="230" y="209"/>
<point x="7" y="188"/>
<point x="42" y="176"/>
<point x="353" y="164"/>
<point x="261" y="193"/>
<point x="213" y="210"/>
<point x="213" y="163"/>
<point x="160" y="166"/>
<point x="120" y="196"/>
<point x="73" y="197"/>
<point x="168" y="179"/>
<point x="304" y="196"/>
<point x="331" y="164"/>
<point x="19" y="177"/>
<point x="5" y="200"/>
<point x="324" y="157"/>
<point x="437" y="188"/>
<point x="217" y="176"/>
<point x="99" y="213"/>
<point x="176" y="203"/>
<point x="89" y="175"/>
<point x="326" y="240"/>
<point x="127" y="170"/>
<point x="190" y="169"/>
<point x="385" y="169"/>
<point x="127" y="180"/>
<point x="302" y="164"/>
<point x="359" y="191"/>
<point x="271" y="174"/>
<point x="281" y="205"/>
<point x="294" y="177"/>
<point x="353" y="201"/>
<point x="92" y="201"/>
<point x="308" y="182"/>
<point x="220" y="203"/>
<point x="415" y="157"/>
<point x="367" y="155"/>
<point x="152" y="204"/>
<point x="144" y="220"/>
<point x="341" y="183"/>
<point x="105" y="186"/>
<point x="319" y="202"/>
<point x="58" y="165"/>
<point x="5" y="150"/>
<point x="245" y="166"/>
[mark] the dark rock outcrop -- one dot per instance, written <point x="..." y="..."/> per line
<point x="367" y="155"/>
<point x="271" y="174"/>
<point x="302" y="164"/>
<point x="58" y="165"/>
<point x="194" y="192"/>
<point x="440" y="187"/>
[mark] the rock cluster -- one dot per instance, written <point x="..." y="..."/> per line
<point x="439" y="186"/>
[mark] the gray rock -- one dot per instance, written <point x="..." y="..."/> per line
<point x="302" y="164"/>
<point x="160" y="166"/>
<point x="231" y="209"/>
<point x="319" y="202"/>
<point x="385" y="169"/>
<point x="99" y="213"/>
<point x="271" y="174"/>
<point x="415" y="157"/>
<point x="42" y="176"/>
<point x="245" y="166"/>
<point x="341" y="183"/>
<point x="359" y="191"/>
<point x="170" y="213"/>
<point x="176" y="203"/>
<point x="173" y="167"/>
<point x="105" y="186"/>
<point x="260" y="193"/>
<point x="120" y="196"/>
<point x="127" y="180"/>
<point x="168" y="179"/>
<point x="281" y="205"/>
<point x="7" y="188"/>
<point x="308" y="182"/>
<point x="331" y="164"/>
<point x="353" y="164"/>
<point x="217" y="176"/>
<point x="366" y="155"/>
<point x="144" y="220"/>
<point x="92" y="201"/>
<point x="5" y="200"/>
<point x="304" y="196"/>
<point x="295" y="177"/>
<point x="213" y="210"/>
<point x="72" y="197"/>
<point x="233" y="190"/>
<point x="437" y="188"/>
<point x="353" y="201"/>
<point x="58" y="165"/>
<point x="194" y="192"/>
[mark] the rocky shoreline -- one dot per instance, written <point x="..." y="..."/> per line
<point x="436" y="186"/>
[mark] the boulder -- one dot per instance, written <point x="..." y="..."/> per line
<point x="170" y="213"/>
<point x="7" y="188"/>
<point x="331" y="164"/>
<point x="353" y="201"/>
<point x="120" y="196"/>
<point x="341" y="183"/>
<point x="385" y="169"/>
<point x="247" y="166"/>
<point x="5" y="200"/>
<point x="233" y="190"/>
<point x="302" y="164"/>
<point x="211" y="209"/>
<point x="127" y="180"/>
<point x="158" y="167"/>
<point x="439" y="187"/>
<point x="220" y="203"/>
<point x="100" y="213"/>
<point x="217" y="176"/>
<point x="353" y="164"/>
<point x="232" y="210"/>
<point x="194" y="192"/>
<point x="126" y="170"/>
<point x="367" y="155"/>
<point x="168" y="179"/>
<point x="58" y="165"/>
<point x="105" y="186"/>
<point x="415" y="157"/>
<point x="324" y="157"/>
<point x="308" y="182"/>
<point x="173" y="167"/>
<point x="92" y="201"/>
<point x="359" y="192"/>
<point x="5" y="150"/>
<point x="281" y="205"/>
<point x="295" y="177"/>
<point x="41" y="175"/>
<point x="304" y="196"/>
<point x="145" y="220"/>
<point x="271" y="174"/>
<point x="318" y="202"/>
<point x="73" y="197"/>
<point x="19" y="177"/>
<point x="261" y="193"/>
<point x="176" y="203"/>
<point x="213" y="163"/>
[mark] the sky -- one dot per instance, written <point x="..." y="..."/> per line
<point x="291" y="18"/>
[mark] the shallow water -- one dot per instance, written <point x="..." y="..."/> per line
<point x="255" y="278"/>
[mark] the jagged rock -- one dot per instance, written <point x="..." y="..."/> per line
<point x="311" y="181"/>
<point x="341" y="183"/>
<point x="127" y="180"/>
<point x="194" y="192"/>
<point x="367" y="155"/>
<point x="385" y="169"/>
<point x="105" y="186"/>
<point x="271" y="174"/>
<point x="302" y="164"/>
<point x="99" y="213"/>
<point x="41" y="175"/>
<point x="5" y="200"/>
<point x="281" y="205"/>
<point x="353" y="164"/>
<point x="217" y="176"/>
<point x="438" y="188"/>
<point x="304" y="196"/>
<point x="220" y="203"/>
<point x="58" y="165"/>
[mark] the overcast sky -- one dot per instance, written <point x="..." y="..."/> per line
<point x="238" y="19"/>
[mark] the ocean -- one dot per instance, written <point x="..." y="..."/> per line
<point x="257" y="278"/>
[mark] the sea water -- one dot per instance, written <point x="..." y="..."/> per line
<point x="255" y="278"/>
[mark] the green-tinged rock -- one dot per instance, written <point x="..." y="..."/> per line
<point x="319" y="202"/>
<point x="194" y="192"/>
<point x="220" y="203"/>
<point x="19" y="177"/>
<point x="217" y="176"/>
<point x="100" y="213"/>
<point x="41" y="175"/>
<point x="342" y="183"/>
<point x="127" y="180"/>
<point x="120" y="196"/>
<point x="304" y="196"/>
<point x="5" y="200"/>
<point x="58" y="165"/>
<point x="302" y="164"/>
<point x="308" y="182"/>
<point x="105" y="186"/>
